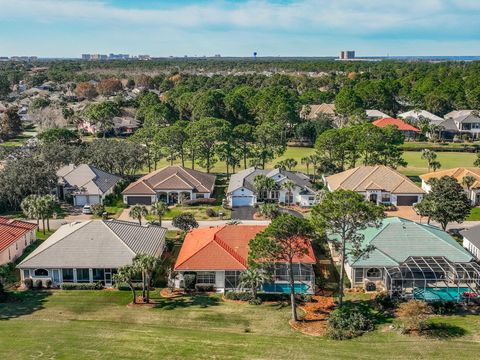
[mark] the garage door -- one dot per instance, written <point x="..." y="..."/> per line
<point x="406" y="200"/>
<point x="139" y="200"/>
<point x="80" y="200"/>
<point x="242" y="201"/>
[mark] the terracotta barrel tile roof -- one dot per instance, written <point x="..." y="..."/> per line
<point x="222" y="248"/>
<point x="12" y="230"/>
<point x="400" y="124"/>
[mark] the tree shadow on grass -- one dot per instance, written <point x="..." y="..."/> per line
<point x="443" y="331"/>
<point x="366" y="306"/>
<point x="22" y="303"/>
<point x="202" y="301"/>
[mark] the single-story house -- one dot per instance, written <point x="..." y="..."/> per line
<point x="241" y="189"/>
<point x="375" y="114"/>
<point x="120" y="124"/>
<point x="458" y="173"/>
<point x="218" y="256"/>
<point x="415" y="115"/>
<point x="91" y="251"/>
<point x="15" y="236"/>
<point x="409" y="131"/>
<point x="312" y="111"/>
<point x="412" y="260"/>
<point x="471" y="240"/>
<point x="380" y="184"/>
<point x="172" y="184"/>
<point x="85" y="183"/>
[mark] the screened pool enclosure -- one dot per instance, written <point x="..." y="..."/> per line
<point x="432" y="278"/>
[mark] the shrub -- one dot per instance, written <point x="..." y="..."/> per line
<point x="124" y="286"/>
<point x="204" y="287"/>
<point x="189" y="281"/>
<point x="38" y="284"/>
<point x="413" y="315"/>
<point x="210" y="212"/>
<point x="48" y="283"/>
<point x="81" y="286"/>
<point x="28" y="283"/>
<point x="205" y="201"/>
<point x="384" y="302"/>
<point x="3" y="294"/>
<point x="444" y="307"/>
<point x="348" y="322"/>
<point x="256" y="301"/>
<point x="97" y="209"/>
<point x="239" y="296"/>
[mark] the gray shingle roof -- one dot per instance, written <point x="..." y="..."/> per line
<point x="87" y="179"/>
<point x="472" y="235"/>
<point x="246" y="179"/>
<point x="96" y="244"/>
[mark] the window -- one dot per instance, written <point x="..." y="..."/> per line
<point x="275" y="194"/>
<point x="374" y="273"/>
<point x="26" y="273"/>
<point x="200" y="196"/>
<point x="232" y="279"/>
<point x="385" y="198"/>
<point x="98" y="275"/>
<point x="56" y="276"/>
<point x="25" y="240"/>
<point x="358" y="275"/>
<point x="41" y="272"/>
<point x="206" y="277"/>
<point x="67" y="275"/>
<point x="83" y="275"/>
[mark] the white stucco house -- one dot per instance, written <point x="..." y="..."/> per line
<point x="171" y="184"/>
<point x="86" y="184"/>
<point x="473" y="192"/>
<point x="242" y="192"/>
<point x="380" y="184"/>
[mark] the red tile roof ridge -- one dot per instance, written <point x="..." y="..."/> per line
<point x="229" y="250"/>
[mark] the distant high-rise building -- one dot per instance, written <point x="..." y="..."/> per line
<point x="118" y="56"/>
<point x="347" y="55"/>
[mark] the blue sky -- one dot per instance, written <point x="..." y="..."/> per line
<point x="68" y="28"/>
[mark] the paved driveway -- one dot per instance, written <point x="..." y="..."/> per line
<point x="243" y="213"/>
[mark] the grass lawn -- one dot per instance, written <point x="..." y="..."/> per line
<point x="88" y="324"/>
<point x="474" y="214"/>
<point x="416" y="166"/>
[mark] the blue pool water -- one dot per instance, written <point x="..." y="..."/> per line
<point x="439" y="294"/>
<point x="285" y="288"/>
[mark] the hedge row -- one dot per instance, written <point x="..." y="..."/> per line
<point x="81" y="286"/>
<point x="247" y="296"/>
<point x="206" y="201"/>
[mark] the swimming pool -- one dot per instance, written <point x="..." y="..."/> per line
<point x="285" y="288"/>
<point x="439" y="294"/>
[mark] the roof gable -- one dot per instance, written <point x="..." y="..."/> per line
<point x="401" y="125"/>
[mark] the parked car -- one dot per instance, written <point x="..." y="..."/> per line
<point x="87" y="209"/>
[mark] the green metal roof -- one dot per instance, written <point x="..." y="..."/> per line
<point x="397" y="239"/>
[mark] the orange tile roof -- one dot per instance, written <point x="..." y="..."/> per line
<point x="12" y="230"/>
<point x="400" y="124"/>
<point x="222" y="248"/>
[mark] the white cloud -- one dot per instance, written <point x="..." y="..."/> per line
<point x="347" y="16"/>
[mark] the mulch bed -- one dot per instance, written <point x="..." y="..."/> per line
<point x="314" y="322"/>
<point x="140" y="303"/>
<point x="169" y="294"/>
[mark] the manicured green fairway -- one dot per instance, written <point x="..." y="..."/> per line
<point x="416" y="166"/>
<point x="99" y="325"/>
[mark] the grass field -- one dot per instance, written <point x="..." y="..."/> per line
<point x="87" y="324"/>
<point x="416" y="166"/>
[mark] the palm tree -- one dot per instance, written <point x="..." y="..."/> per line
<point x="30" y="208"/>
<point x="307" y="162"/>
<point x="126" y="274"/>
<point x="288" y="186"/>
<point x="252" y="279"/>
<point x="269" y="211"/>
<point x="287" y="164"/>
<point x="315" y="160"/>
<point x="431" y="157"/>
<point x="146" y="264"/>
<point x="159" y="209"/>
<point x="468" y="182"/>
<point x="49" y="202"/>
<point x="137" y="212"/>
